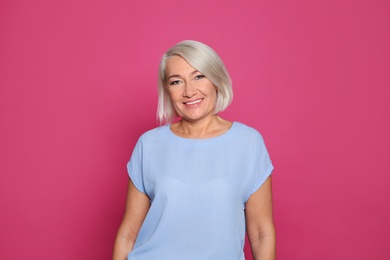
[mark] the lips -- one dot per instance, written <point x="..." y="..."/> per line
<point x="193" y="102"/>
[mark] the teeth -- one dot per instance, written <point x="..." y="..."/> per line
<point x="193" y="102"/>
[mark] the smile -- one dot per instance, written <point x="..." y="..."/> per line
<point x="193" y="102"/>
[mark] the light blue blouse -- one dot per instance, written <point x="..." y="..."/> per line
<point x="198" y="189"/>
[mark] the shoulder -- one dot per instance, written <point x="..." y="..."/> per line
<point x="154" y="134"/>
<point x="245" y="130"/>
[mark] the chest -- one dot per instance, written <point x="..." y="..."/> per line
<point x="197" y="172"/>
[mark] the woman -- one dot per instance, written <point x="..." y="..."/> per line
<point x="196" y="185"/>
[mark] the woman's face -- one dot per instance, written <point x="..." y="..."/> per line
<point x="193" y="96"/>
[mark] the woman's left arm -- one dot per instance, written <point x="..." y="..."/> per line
<point x="260" y="224"/>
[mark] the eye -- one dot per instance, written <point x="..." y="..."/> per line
<point x="175" y="82"/>
<point x="199" y="76"/>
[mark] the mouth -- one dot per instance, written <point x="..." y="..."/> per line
<point x="193" y="102"/>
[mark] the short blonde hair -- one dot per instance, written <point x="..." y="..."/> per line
<point x="205" y="60"/>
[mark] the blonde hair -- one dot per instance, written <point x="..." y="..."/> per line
<point x="202" y="58"/>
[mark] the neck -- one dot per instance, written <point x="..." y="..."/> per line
<point x="206" y="128"/>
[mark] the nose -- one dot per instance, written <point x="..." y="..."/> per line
<point x="189" y="90"/>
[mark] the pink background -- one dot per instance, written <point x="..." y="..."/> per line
<point x="78" y="87"/>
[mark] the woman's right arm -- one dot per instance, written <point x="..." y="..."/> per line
<point x="137" y="206"/>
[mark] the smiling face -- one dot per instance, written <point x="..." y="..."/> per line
<point x="193" y="96"/>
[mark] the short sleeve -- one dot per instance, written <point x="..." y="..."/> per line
<point x="134" y="167"/>
<point x="263" y="165"/>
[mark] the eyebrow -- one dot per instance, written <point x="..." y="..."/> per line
<point x="178" y="76"/>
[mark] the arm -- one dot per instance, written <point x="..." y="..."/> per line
<point x="137" y="207"/>
<point x="260" y="225"/>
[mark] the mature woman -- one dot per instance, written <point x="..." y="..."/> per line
<point x="197" y="183"/>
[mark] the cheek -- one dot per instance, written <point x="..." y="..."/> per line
<point x="215" y="92"/>
<point x="174" y="95"/>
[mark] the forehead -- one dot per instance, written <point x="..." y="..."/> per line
<point x="178" y="65"/>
